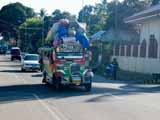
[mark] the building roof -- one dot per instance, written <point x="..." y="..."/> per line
<point x="148" y="13"/>
<point x="120" y="35"/>
<point x="113" y="35"/>
<point x="98" y="35"/>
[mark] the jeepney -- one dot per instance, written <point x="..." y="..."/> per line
<point x="67" y="64"/>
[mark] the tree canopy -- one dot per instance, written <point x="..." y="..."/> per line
<point x="12" y="15"/>
<point x="31" y="34"/>
<point x="107" y="15"/>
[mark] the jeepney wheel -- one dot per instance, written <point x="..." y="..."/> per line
<point x="57" y="83"/>
<point x="88" y="87"/>
<point x="22" y="70"/>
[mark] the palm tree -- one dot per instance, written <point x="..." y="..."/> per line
<point x="43" y="12"/>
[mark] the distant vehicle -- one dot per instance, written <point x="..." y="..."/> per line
<point x="30" y="62"/>
<point x="15" y="53"/>
<point x="3" y="49"/>
<point x="23" y="55"/>
<point x="8" y="52"/>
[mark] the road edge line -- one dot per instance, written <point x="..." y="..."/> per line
<point x="54" y="115"/>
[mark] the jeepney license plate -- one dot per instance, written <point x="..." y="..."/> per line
<point x="76" y="80"/>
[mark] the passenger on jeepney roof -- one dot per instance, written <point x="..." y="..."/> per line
<point x="63" y="28"/>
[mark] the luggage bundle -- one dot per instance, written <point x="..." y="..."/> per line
<point x="64" y="28"/>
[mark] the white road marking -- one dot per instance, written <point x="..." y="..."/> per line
<point x="54" y="114"/>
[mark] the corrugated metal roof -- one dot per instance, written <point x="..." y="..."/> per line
<point x="98" y="35"/>
<point x="148" y="12"/>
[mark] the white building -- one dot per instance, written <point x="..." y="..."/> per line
<point x="145" y="56"/>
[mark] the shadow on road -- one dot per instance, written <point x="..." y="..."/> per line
<point x="16" y="71"/>
<point x="12" y="65"/>
<point x="16" y="93"/>
<point x="100" y="79"/>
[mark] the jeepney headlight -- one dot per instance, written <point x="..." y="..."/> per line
<point x="65" y="68"/>
<point x="82" y="68"/>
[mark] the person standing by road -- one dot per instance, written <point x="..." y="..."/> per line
<point x="115" y="68"/>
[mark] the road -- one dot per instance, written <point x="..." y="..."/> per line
<point x="24" y="97"/>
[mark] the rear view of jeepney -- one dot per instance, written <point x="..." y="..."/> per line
<point x="71" y="65"/>
<point x="67" y="63"/>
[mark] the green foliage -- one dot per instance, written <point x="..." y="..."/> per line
<point x="85" y="14"/>
<point x="107" y="15"/>
<point x="57" y="15"/>
<point x="12" y="15"/>
<point x="155" y="2"/>
<point x="116" y="16"/>
<point x="43" y="12"/>
<point x="31" y="34"/>
<point x="94" y="16"/>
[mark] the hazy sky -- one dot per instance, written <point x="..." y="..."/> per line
<point x="72" y="6"/>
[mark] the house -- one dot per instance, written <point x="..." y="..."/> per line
<point x="143" y="57"/>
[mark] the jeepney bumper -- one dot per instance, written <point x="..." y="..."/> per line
<point x="76" y="81"/>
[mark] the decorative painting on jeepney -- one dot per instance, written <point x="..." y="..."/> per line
<point x="70" y="46"/>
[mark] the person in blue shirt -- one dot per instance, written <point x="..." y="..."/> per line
<point x="115" y="68"/>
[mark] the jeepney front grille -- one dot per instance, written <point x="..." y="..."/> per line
<point x="75" y="69"/>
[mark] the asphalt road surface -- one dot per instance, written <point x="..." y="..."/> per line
<point x="24" y="97"/>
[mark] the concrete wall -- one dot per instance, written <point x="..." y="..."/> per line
<point x="141" y="65"/>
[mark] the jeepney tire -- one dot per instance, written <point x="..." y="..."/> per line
<point x="58" y="84"/>
<point x="88" y="87"/>
<point x="22" y="70"/>
<point x="12" y="59"/>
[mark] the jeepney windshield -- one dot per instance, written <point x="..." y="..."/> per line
<point x="69" y="50"/>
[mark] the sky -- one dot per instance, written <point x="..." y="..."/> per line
<point x="72" y="6"/>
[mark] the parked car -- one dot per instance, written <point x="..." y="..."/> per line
<point x="15" y="53"/>
<point x="30" y="62"/>
<point x="23" y="55"/>
<point x="3" y="49"/>
<point x="8" y="52"/>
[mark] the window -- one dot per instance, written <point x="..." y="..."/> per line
<point x="122" y="50"/>
<point x="128" y="52"/>
<point x="135" y="50"/>
<point x="143" y="49"/>
<point x="153" y="47"/>
<point x="117" y="50"/>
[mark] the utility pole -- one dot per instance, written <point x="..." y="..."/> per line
<point x="43" y="33"/>
<point x="116" y="16"/>
<point x="82" y="10"/>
